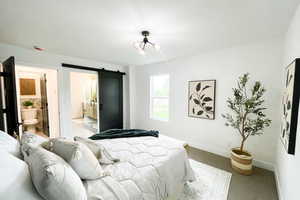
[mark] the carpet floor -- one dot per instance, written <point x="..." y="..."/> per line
<point x="259" y="186"/>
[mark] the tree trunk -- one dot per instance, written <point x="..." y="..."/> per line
<point x="242" y="145"/>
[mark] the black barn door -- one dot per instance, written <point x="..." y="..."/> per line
<point x="111" y="100"/>
<point x="9" y="107"/>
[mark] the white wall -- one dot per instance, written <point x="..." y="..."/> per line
<point x="262" y="61"/>
<point x="288" y="166"/>
<point x="34" y="58"/>
<point x="77" y="95"/>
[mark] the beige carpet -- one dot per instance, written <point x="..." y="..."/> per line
<point x="211" y="183"/>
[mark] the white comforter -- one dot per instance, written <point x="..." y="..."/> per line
<point x="149" y="169"/>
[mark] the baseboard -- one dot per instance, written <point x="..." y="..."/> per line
<point x="222" y="152"/>
<point x="264" y="165"/>
<point x="207" y="148"/>
<point x="278" y="185"/>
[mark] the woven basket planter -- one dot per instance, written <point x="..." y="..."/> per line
<point x="241" y="161"/>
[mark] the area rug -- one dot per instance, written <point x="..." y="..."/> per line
<point x="211" y="183"/>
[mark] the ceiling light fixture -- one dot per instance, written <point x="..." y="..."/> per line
<point x="141" y="45"/>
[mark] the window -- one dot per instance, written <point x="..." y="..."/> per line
<point x="159" y="97"/>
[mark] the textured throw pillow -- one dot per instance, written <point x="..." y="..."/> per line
<point x="53" y="178"/>
<point x="79" y="156"/>
<point x="99" y="151"/>
<point x="32" y="139"/>
<point x="10" y="144"/>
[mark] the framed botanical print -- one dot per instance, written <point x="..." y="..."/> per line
<point x="202" y="99"/>
<point x="290" y="105"/>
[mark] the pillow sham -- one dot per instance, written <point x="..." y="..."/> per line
<point x="15" y="179"/>
<point x="10" y="144"/>
<point x="79" y="156"/>
<point x="53" y="178"/>
<point x="32" y="139"/>
<point x="99" y="151"/>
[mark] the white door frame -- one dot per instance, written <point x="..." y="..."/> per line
<point x="22" y="64"/>
<point x="65" y="99"/>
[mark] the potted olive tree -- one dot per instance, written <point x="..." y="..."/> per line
<point x="248" y="118"/>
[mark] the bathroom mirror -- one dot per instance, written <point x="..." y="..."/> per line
<point x="27" y="86"/>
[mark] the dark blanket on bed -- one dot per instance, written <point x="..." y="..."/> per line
<point x="123" y="133"/>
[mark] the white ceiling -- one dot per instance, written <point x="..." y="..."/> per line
<point x="105" y="30"/>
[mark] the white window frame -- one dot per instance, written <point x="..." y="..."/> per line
<point x="152" y="98"/>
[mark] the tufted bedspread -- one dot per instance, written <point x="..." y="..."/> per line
<point x="149" y="169"/>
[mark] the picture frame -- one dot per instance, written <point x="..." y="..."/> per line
<point x="201" y="99"/>
<point x="290" y="106"/>
<point x="27" y="86"/>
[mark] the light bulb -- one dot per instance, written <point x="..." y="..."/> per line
<point x="137" y="45"/>
<point x="142" y="52"/>
<point x="157" y="47"/>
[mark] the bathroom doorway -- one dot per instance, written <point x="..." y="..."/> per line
<point x="38" y="100"/>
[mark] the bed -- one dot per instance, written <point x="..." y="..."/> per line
<point x="149" y="168"/>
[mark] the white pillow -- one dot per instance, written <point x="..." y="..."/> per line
<point x="79" y="156"/>
<point x="10" y="144"/>
<point x="99" y="151"/>
<point x="15" y="179"/>
<point x="32" y="139"/>
<point x="53" y="178"/>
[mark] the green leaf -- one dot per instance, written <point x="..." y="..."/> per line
<point x="200" y="112"/>
<point x="288" y="106"/>
<point x="287" y="126"/>
<point x="207" y="86"/>
<point x="196" y="101"/>
<point x="198" y="87"/>
<point x="207" y="99"/>
<point x="208" y="108"/>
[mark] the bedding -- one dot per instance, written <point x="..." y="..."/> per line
<point x="32" y="139"/>
<point x="123" y="133"/>
<point x="10" y="144"/>
<point x="98" y="150"/>
<point x="53" y="178"/>
<point x="79" y="157"/>
<point x="15" y="181"/>
<point x="149" y="169"/>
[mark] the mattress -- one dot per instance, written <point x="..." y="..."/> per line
<point x="149" y="169"/>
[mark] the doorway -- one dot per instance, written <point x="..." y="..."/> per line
<point x="37" y="99"/>
<point x="108" y="85"/>
<point x="84" y="103"/>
